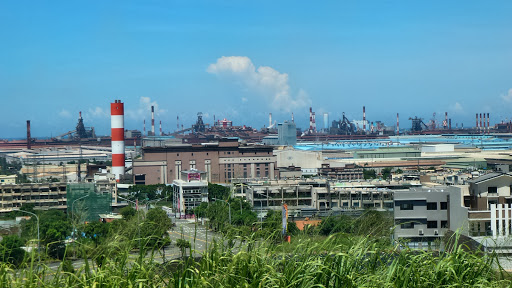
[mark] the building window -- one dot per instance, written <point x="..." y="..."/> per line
<point x="431" y="205"/>
<point x="444" y="205"/>
<point x="492" y="190"/>
<point x="407" y="225"/>
<point x="444" y="224"/>
<point x="431" y="224"/>
<point x="406" y="206"/>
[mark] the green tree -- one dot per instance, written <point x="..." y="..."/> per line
<point x="369" y="174"/>
<point x="386" y="173"/>
<point x="154" y="228"/>
<point x="97" y="231"/>
<point x="127" y="212"/>
<point x="11" y="251"/>
<point x="218" y="192"/>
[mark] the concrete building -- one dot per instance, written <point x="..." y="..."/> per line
<point x="189" y="191"/>
<point x="222" y="161"/>
<point x="423" y="215"/>
<point x="391" y="152"/>
<point x="489" y="200"/>
<point x="7" y="179"/>
<point x="287" y="133"/>
<point x="44" y="196"/>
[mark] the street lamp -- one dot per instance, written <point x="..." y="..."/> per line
<point x="38" y="239"/>
<point x="229" y="205"/>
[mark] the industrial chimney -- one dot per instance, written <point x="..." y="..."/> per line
<point x="364" y="119"/>
<point x="397" y="125"/>
<point x="488" y="123"/>
<point x="29" y="140"/>
<point x="117" y="134"/>
<point x="152" y="120"/>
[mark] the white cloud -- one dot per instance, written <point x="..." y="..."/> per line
<point x="65" y="113"/>
<point x="457" y="107"/>
<point x="265" y="80"/>
<point x="508" y="96"/>
<point x="143" y="110"/>
<point x="244" y="99"/>
<point x="96" y="112"/>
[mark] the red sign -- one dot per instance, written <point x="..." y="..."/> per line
<point x="194" y="176"/>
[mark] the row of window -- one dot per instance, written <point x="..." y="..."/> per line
<point x="430" y="224"/>
<point x="430" y="206"/>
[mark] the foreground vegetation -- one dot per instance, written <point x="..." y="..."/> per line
<point x="339" y="260"/>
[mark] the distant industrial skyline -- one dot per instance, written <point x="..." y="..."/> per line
<point x="241" y="61"/>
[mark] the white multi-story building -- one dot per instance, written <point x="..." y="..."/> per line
<point x="189" y="191"/>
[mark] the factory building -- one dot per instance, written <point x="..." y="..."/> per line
<point x="222" y="161"/>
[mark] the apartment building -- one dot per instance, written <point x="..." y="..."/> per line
<point x="423" y="215"/>
<point x="44" y="196"/>
<point x="222" y="161"/>
<point x="490" y="200"/>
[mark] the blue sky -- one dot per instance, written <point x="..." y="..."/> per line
<point x="409" y="57"/>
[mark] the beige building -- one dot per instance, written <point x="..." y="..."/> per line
<point x="7" y="179"/>
<point x="44" y="196"/>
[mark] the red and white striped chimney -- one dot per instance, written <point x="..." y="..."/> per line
<point x="314" y="122"/>
<point x="152" y="120"/>
<point x="310" y="119"/>
<point x="364" y="119"/>
<point x="117" y="134"/>
<point x="161" y="128"/>
<point x="485" y="123"/>
<point x="476" y="121"/>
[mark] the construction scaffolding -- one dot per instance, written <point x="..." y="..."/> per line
<point x="90" y="202"/>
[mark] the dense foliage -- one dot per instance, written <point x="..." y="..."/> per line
<point x="340" y="260"/>
<point x="150" y="192"/>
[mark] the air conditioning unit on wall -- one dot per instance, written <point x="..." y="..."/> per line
<point x="420" y="231"/>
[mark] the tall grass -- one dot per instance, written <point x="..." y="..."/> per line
<point x="340" y="260"/>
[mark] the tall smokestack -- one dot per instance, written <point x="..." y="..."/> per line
<point x="488" y="123"/>
<point x="314" y="121"/>
<point x="371" y="128"/>
<point x="397" y="125"/>
<point x="293" y="120"/>
<point x="364" y="119"/>
<point x="481" y="121"/>
<point x="485" y="123"/>
<point x="450" y="123"/>
<point x="161" y="128"/>
<point x="310" y="119"/>
<point x="445" y="124"/>
<point x="152" y="120"/>
<point x="477" y="122"/>
<point x="269" y="120"/>
<point x="117" y="134"/>
<point x="29" y="140"/>
<point x="144" y="134"/>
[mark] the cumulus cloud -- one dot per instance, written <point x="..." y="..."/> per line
<point x="264" y="80"/>
<point x="65" y="113"/>
<point x="96" y="112"/>
<point x="507" y="97"/>
<point x="143" y="110"/>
